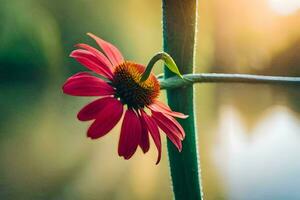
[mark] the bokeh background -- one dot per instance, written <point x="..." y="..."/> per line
<point x="249" y="136"/>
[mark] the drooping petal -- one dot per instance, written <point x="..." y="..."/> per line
<point x="91" y="110"/>
<point x="170" y="123"/>
<point x="130" y="134"/>
<point x="174" y="139"/>
<point x="84" y="84"/>
<point x="144" y="142"/>
<point x="154" y="132"/>
<point x="173" y="132"/>
<point x="158" y="106"/>
<point x="106" y="119"/>
<point x="91" y="62"/>
<point x="102" y="58"/>
<point x="110" y="50"/>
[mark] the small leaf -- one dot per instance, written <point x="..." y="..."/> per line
<point x="169" y="62"/>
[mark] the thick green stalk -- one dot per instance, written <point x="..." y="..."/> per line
<point x="179" y="28"/>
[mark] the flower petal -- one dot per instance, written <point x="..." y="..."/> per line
<point x="173" y="132"/>
<point x="154" y="132"/>
<point x="110" y="50"/>
<point x="170" y="123"/>
<point x="158" y="106"/>
<point x="91" y="110"/>
<point x="101" y="57"/>
<point x="130" y="134"/>
<point x="144" y="142"/>
<point x="91" y="62"/>
<point x="84" y="84"/>
<point x="107" y="118"/>
<point x="78" y="75"/>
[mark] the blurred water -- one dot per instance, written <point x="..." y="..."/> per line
<point x="262" y="164"/>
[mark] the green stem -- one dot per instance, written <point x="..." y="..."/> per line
<point x="179" y="24"/>
<point x="169" y="62"/>
<point x="189" y="79"/>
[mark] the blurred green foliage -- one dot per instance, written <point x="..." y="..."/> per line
<point x="30" y="43"/>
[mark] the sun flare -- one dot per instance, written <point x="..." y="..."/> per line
<point x="284" y="7"/>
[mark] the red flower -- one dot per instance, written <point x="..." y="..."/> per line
<point x="122" y="88"/>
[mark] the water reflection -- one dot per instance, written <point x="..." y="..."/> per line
<point x="263" y="164"/>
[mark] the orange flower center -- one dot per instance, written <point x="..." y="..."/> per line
<point x="130" y="90"/>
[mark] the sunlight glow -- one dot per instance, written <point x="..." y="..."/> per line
<point x="284" y="7"/>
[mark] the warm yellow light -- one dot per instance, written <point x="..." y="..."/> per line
<point x="284" y="7"/>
